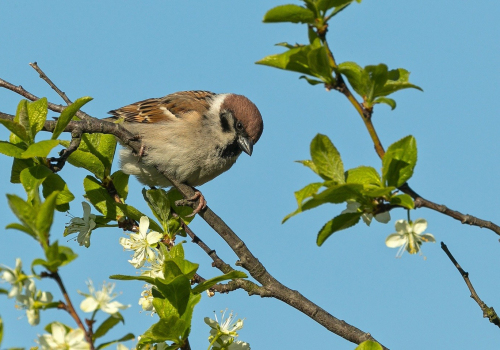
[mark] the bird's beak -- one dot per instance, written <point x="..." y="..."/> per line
<point x="245" y="144"/>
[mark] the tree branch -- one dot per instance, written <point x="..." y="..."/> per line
<point x="246" y="259"/>
<point x="488" y="312"/>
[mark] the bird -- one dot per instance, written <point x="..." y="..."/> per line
<point x="191" y="136"/>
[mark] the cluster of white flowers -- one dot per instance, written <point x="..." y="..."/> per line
<point x="24" y="290"/>
<point x="146" y="256"/>
<point x="223" y="334"/>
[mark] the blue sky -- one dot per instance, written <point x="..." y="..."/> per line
<point x="123" y="52"/>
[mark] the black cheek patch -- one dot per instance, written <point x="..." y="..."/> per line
<point x="224" y="123"/>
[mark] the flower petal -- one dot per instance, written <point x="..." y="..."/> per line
<point x="384" y="217"/>
<point x="428" y="237"/>
<point x="402" y="226"/>
<point x="395" y="240"/>
<point x="143" y="226"/>
<point x="89" y="304"/>
<point x="419" y="226"/>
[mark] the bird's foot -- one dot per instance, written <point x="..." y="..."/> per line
<point x="202" y="203"/>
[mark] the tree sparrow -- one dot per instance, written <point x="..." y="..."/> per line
<point x="193" y="136"/>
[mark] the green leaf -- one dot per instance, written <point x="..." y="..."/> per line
<point x="375" y="192"/>
<point x="327" y="159"/>
<point x="96" y="153"/>
<point x="340" y="193"/>
<point x="107" y="324"/>
<point x="177" y="291"/>
<point x="369" y="345"/>
<point x="294" y="60"/>
<point x="213" y="281"/>
<point x="146" y="279"/>
<point x="320" y="66"/>
<point x="397" y="79"/>
<point x="311" y="81"/>
<point x="289" y="13"/>
<point x="17" y="166"/>
<point x="22" y="228"/>
<point x="100" y="198"/>
<point x="23" y="119"/>
<point x="45" y="216"/>
<point x="134" y="214"/>
<point x="24" y="212"/>
<point x="1" y="330"/>
<point x="301" y="195"/>
<point x="32" y="178"/>
<point x="174" y="195"/>
<point x="40" y="149"/>
<point x="10" y="149"/>
<point x="387" y="101"/>
<point x="37" y="114"/>
<point x="120" y="181"/>
<point x="126" y="337"/>
<point x="399" y="162"/>
<point x="164" y="308"/>
<point x="166" y="329"/>
<point x="67" y="114"/>
<point x="53" y="183"/>
<point x="338" y="223"/>
<point x="188" y="314"/>
<point x="16" y="128"/>
<point x="403" y="200"/>
<point x="325" y="5"/>
<point x="378" y="76"/>
<point x="308" y="163"/>
<point x="358" y="78"/>
<point x="363" y="175"/>
<point x="160" y="205"/>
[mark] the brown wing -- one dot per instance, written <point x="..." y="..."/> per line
<point x="155" y="110"/>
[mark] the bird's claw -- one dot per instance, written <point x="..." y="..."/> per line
<point x="202" y="204"/>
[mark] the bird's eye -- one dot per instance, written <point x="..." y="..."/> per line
<point x="239" y="126"/>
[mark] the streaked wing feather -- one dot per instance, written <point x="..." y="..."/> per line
<point x="165" y="108"/>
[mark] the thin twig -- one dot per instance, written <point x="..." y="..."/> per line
<point x="488" y="312"/>
<point x="35" y="66"/>
<point x="69" y="305"/>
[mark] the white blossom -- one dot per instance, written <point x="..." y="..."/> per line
<point x="409" y="236"/>
<point x="61" y="339"/>
<point x="101" y="299"/>
<point x="142" y="243"/>
<point x="83" y="226"/>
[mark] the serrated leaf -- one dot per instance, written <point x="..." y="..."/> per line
<point x="37" y="114"/>
<point x="164" y="308"/>
<point x="340" y="222"/>
<point x="404" y="200"/>
<point x="365" y="175"/>
<point x="23" y="119"/>
<point x="213" y="281"/>
<point x="108" y="324"/>
<point x="10" y="149"/>
<point x="67" y="114"/>
<point x="327" y="159"/>
<point x="39" y="149"/>
<point x="16" y="128"/>
<point x="388" y="101"/>
<point x="289" y="13"/>
<point x="378" y="76"/>
<point x="159" y="204"/>
<point x="399" y="162"/>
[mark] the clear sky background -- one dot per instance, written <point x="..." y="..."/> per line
<point x="122" y="52"/>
